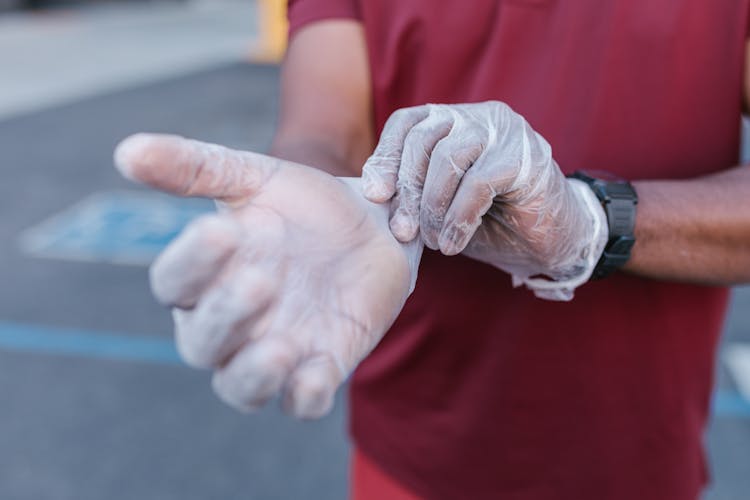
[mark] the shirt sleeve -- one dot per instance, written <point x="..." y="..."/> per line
<point x="303" y="12"/>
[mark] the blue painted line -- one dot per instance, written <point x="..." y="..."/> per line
<point x="47" y="340"/>
<point x="140" y="348"/>
<point x="729" y="404"/>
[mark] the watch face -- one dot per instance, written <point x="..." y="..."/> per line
<point x="603" y="175"/>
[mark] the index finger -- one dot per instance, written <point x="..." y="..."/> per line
<point x="380" y="172"/>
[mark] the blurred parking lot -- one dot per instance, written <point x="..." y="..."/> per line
<point x="95" y="403"/>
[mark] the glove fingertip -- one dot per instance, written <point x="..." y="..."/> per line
<point x="128" y="154"/>
<point x="311" y="388"/>
<point x="309" y="401"/>
<point x="375" y="192"/>
<point x="452" y="241"/>
<point x="404" y="228"/>
<point x="222" y="389"/>
<point x="374" y="187"/>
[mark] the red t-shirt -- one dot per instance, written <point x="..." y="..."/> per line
<point x="482" y="391"/>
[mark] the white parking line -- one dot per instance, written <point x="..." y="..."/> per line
<point x="737" y="360"/>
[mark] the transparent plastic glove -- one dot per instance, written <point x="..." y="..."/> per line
<point x="475" y="178"/>
<point x="284" y="290"/>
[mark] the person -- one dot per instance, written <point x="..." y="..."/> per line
<point x="480" y="389"/>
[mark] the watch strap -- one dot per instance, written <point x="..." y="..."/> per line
<point x="619" y="200"/>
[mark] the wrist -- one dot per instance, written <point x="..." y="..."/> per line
<point x="412" y="250"/>
<point x="618" y="199"/>
<point x="591" y="239"/>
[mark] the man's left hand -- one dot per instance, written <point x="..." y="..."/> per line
<point x="476" y="179"/>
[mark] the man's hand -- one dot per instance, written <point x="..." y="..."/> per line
<point x="288" y="287"/>
<point x="475" y="178"/>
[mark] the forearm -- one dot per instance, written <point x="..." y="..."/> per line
<point x="315" y="153"/>
<point x="694" y="230"/>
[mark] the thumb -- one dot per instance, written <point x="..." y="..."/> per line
<point x="191" y="168"/>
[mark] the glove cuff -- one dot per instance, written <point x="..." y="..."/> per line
<point x="597" y="220"/>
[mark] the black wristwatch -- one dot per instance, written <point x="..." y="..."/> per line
<point x="619" y="200"/>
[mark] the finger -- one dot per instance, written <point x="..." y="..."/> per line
<point x="415" y="159"/>
<point x="182" y="271"/>
<point x="224" y="318"/>
<point x="450" y="160"/>
<point x="514" y="176"/>
<point x="190" y="168"/>
<point x="256" y="373"/>
<point x="380" y="172"/>
<point x="312" y="387"/>
<point x="473" y="198"/>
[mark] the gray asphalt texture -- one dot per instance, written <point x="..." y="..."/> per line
<point x="87" y="429"/>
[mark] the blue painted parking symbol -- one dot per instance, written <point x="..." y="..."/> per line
<point x="124" y="227"/>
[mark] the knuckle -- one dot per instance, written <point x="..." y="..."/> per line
<point x="407" y="117"/>
<point x="396" y="121"/>
<point x="402" y="114"/>
<point x="498" y="106"/>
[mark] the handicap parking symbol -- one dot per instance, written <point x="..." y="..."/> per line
<point x="122" y="227"/>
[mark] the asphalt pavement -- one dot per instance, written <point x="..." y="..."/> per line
<point x="80" y="419"/>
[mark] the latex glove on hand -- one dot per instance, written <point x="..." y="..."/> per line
<point x="475" y="178"/>
<point x="288" y="286"/>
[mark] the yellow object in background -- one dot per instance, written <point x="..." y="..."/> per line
<point x="271" y="43"/>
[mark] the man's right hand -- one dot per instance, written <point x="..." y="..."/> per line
<point x="288" y="287"/>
